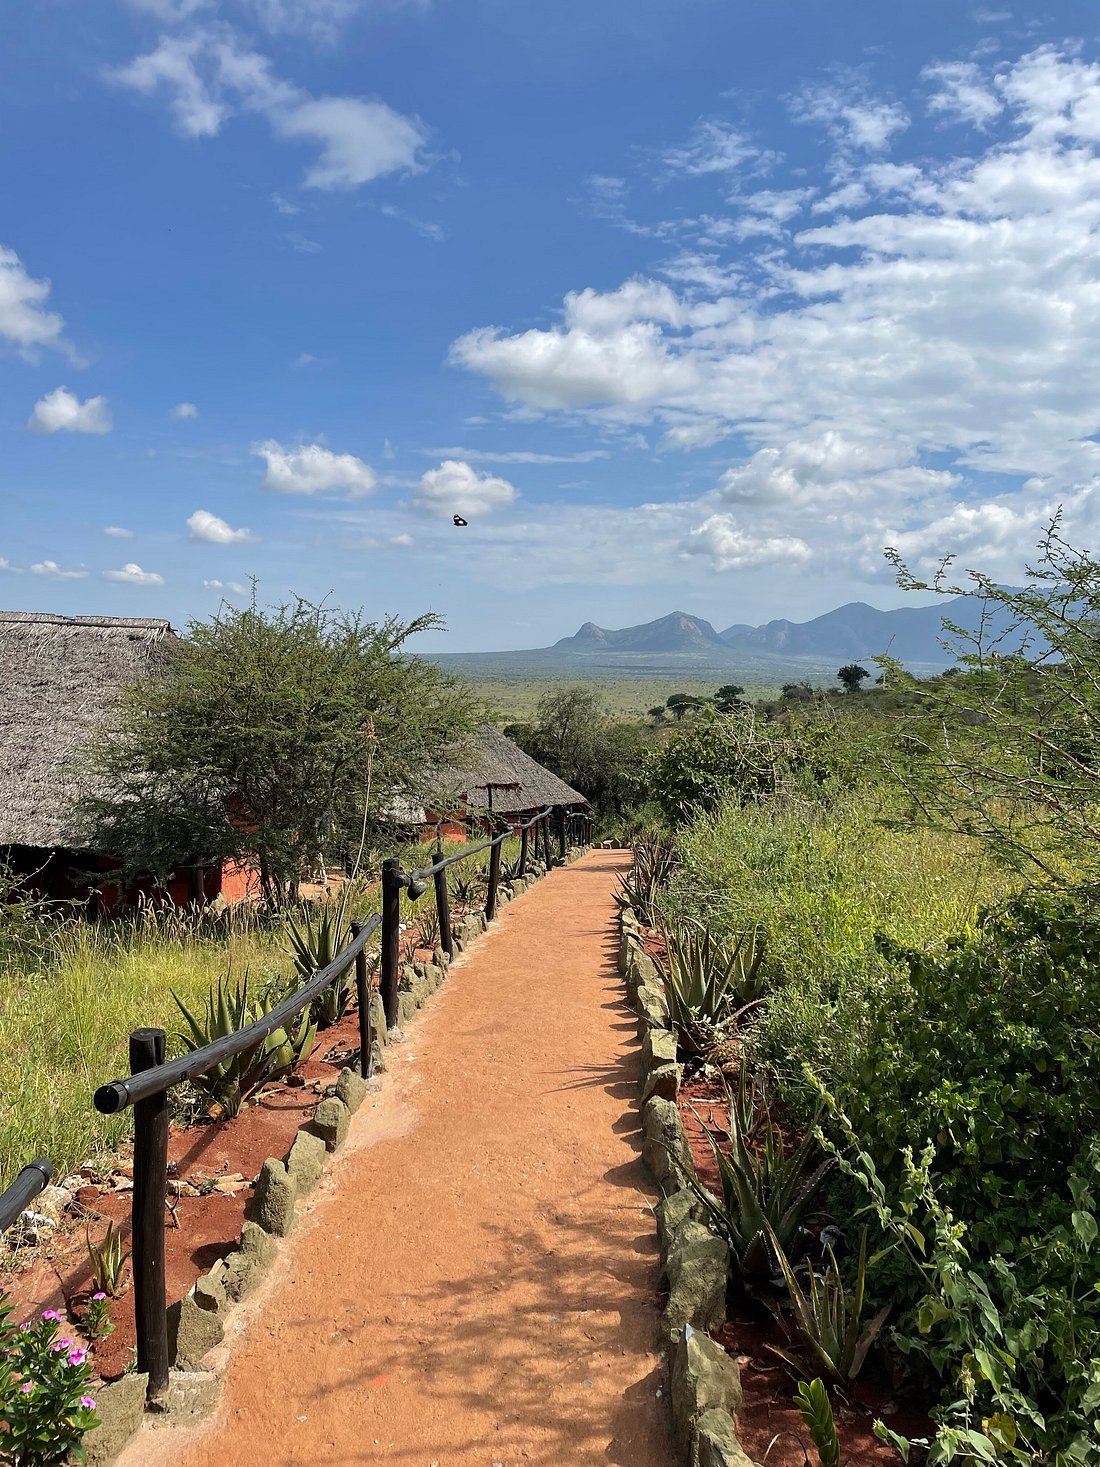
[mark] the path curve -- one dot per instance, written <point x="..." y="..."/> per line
<point x="475" y="1280"/>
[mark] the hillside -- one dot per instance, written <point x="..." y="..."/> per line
<point x="676" y="632"/>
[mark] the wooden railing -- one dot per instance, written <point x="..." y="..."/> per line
<point x="146" y="1087"/>
<point x="34" y="1178"/>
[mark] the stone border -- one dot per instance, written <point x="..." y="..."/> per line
<point x="196" y="1323"/>
<point x="705" y="1383"/>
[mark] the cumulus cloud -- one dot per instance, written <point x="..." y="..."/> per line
<point x="851" y="118"/>
<point x="208" y="74"/>
<point x="730" y="547"/>
<point x="61" y="411"/>
<point x="313" y="469"/>
<point x="457" y="488"/>
<point x="214" y="531"/>
<point x="118" y="532"/>
<point x="235" y="587"/>
<point x="184" y="410"/>
<point x="917" y="364"/>
<point x="55" y="572"/>
<point x="133" y="575"/>
<point x="24" y="320"/>
<point x="714" y="147"/>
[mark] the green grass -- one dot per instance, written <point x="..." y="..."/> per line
<point x="66" y="1011"/>
<point x="821" y="882"/>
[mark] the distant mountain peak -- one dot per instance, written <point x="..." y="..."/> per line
<point x="676" y="632"/>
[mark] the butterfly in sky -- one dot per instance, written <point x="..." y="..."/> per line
<point x="459" y="520"/>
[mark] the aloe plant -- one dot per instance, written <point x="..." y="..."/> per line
<point x="465" y="891"/>
<point x="107" y="1260"/>
<point x="655" y="859"/>
<point x="814" y="1407"/>
<point x="429" y="929"/>
<point x="315" y="938"/>
<point x="228" y="1010"/>
<point x="828" y="1319"/>
<point x="708" y="984"/>
<point x="765" y="1196"/>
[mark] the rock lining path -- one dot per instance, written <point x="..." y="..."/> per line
<point x="474" y="1282"/>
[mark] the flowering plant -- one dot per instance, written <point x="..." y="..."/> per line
<point x="45" y="1408"/>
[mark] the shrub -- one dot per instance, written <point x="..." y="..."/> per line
<point x="44" y="1406"/>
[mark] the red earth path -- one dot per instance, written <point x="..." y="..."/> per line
<point x="474" y="1282"/>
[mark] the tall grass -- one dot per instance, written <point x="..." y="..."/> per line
<point x="821" y="882"/>
<point x="65" y="1022"/>
<point x="71" y="992"/>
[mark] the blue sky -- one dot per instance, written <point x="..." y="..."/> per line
<point x="694" y="305"/>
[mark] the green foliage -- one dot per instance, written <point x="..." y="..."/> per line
<point x="1009" y="749"/>
<point x="107" y="1259"/>
<point x="812" y="1401"/>
<point x="728" y="697"/>
<point x="681" y="704"/>
<point x="226" y="1011"/>
<point x="709" y="984"/>
<point x="45" y="1411"/>
<point x="261" y="738"/>
<point x="574" y="738"/>
<point x="766" y="1192"/>
<point x="852" y="675"/>
<point x="829" y="1318"/>
<point x="655" y="860"/>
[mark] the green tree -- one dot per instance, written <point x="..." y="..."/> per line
<point x="270" y="737"/>
<point x="575" y="739"/>
<point x="851" y="675"/>
<point x="1007" y="747"/>
<point x="728" y="697"/>
<point x="683" y="703"/>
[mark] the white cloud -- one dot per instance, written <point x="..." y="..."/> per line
<point x="117" y="532"/>
<point x="6" y="565"/>
<point x="313" y="469"/>
<point x="209" y="74"/>
<point x="457" y="488"/>
<point x="214" y="531"/>
<point x="55" y="572"/>
<point x="714" y="147"/>
<point x="402" y="539"/>
<point x="301" y="245"/>
<point x="360" y="140"/>
<point x="961" y="93"/>
<point x="515" y="456"/>
<point x="184" y="410"/>
<point x="729" y="547"/>
<point x="284" y="206"/>
<point x="133" y="575"/>
<point x="234" y="586"/>
<point x="24" y="321"/>
<point x="919" y="365"/>
<point x="851" y="118"/>
<point x="62" y="411"/>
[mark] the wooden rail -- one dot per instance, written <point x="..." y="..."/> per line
<point x="34" y="1178"/>
<point x="146" y="1087"/>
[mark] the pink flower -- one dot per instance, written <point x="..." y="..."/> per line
<point x="78" y="1357"/>
<point x="87" y="1403"/>
<point x="26" y="1388"/>
<point x="51" y="1314"/>
<point x="64" y="1345"/>
<point x="99" y="1297"/>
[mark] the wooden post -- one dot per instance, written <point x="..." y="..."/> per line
<point x="147" y="1217"/>
<point x="391" y="923"/>
<point x="443" y="905"/>
<point x="523" y="850"/>
<point x="546" y="856"/>
<point x="559" y="814"/>
<point x="362" y="998"/>
<point x="494" y="881"/>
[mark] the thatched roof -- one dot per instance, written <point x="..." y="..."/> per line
<point x="59" y="676"/>
<point x="516" y="781"/>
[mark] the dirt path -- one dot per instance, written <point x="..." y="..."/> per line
<point x="474" y="1282"/>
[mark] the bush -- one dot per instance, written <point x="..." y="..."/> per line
<point x="45" y="1410"/>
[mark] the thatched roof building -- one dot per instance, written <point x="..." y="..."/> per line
<point x="495" y="774"/>
<point x="59" y="676"/>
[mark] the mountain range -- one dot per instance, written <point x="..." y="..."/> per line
<point x="776" y="651"/>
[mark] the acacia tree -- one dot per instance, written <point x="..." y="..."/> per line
<point x="851" y="675"/>
<point x="269" y="736"/>
<point x="1008" y="747"/>
<point x="575" y="738"/>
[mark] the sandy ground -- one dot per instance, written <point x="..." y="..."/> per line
<point x="474" y="1281"/>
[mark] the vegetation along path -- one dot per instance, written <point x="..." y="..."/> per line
<point x="475" y="1282"/>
